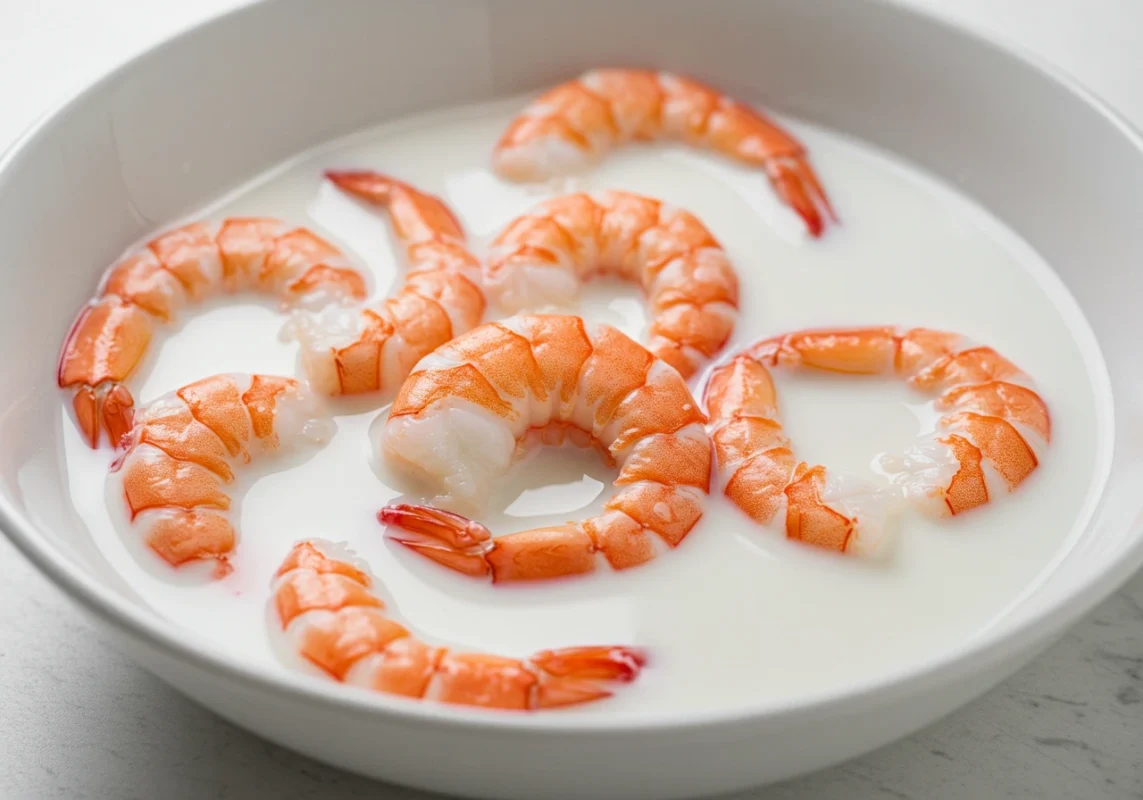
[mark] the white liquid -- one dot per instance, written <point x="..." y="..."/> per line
<point x="736" y="614"/>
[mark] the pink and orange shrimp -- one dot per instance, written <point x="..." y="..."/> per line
<point x="542" y="257"/>
<point x="472" y="406"/>
<point x="147" y="287"/>
<point x="180" y="457"/>
<point x="337" y="623"/>
<point x="985" y="442"/>
<point x="348" y="352"/>
<point x="572" y="125"/>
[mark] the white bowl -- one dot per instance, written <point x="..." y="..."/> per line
<point x="195" y="115"/>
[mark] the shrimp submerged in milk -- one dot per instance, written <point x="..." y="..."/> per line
<point x="572" y="125"/>
<point x="352" y="352"/>
<point x="469" y="408"/>
<point x="340" y="625"/>
<point x="983" y="442"/>
<point x="148" y="287"/>
<point x="184" y="448"/>
<point x="690" y="284"/>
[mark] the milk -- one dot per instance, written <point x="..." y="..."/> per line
<point x="735" y="615"/>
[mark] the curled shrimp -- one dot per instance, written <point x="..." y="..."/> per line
<point x="338" y="624"/>
<point x="352" y="352"/>
<point x="147" y="287"/>
<point x="469" y="408"/>
<point x="982" y="444"/>
<point x="542" y="256"/>
<point x="572" y="125"/>
<point x="182" y="453"/>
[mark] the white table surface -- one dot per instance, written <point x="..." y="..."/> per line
<point x="79" y="720"/>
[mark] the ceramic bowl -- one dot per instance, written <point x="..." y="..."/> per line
<point x="222" y="102"/>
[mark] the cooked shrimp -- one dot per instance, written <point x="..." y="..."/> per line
<point x="337" y="623"/>
<point x="148" y="287"/>
<point x="180" y="456"/>
<point x="353" y="352"/>
<point x="471" y="406"/>
<point x="984" y="444"/>
<point x="572" y="125"/>
<point x="541" y="257"/>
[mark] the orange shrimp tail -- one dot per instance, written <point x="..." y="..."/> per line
<point x="366" y="184"/>
<point x="592" y="663"/>
<point x="795" y="182"/>
<point x="570" y="674"/>
<point x="467" y="547"/>
<point x="112" y="411"/>
<point x="417" y="216"/>
<point x="118" y="413"/>
<point x="87" y="413"/>
<point x="449" y="539"/>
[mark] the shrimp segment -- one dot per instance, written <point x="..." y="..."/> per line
<point x="691" y="286"/>
<point x="146" y="289"/>
<point x="573" y="125"/>
<point x="350" y="352"/>
<point x="469" y="409"/>
<point x="181" y="455"/>
<point x="339" y="625"/>
<point x="765" y="479"/>
<point x="985" y="444"/>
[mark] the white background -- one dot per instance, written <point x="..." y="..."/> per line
<point x="78" y="720"/>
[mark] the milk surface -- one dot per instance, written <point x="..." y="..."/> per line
<point x="736" y="615"/>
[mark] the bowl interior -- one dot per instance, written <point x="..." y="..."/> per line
<point x="174" y="128"/>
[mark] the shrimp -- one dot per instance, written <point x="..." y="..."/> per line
<point x="572" y="125"/>
<point x="338" y="624"/>
<point x="691" y="286"/>
<point x="478" y="401"/>
<point x="180" y="456"/>
<point x="983" y="441"/>
<point x="147" y="287"/>
<point x="347" y="352"/>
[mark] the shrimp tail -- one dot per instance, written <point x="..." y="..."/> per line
<point x="365" y="184"/>
<point x="418" y="216"/>
<point x="570" y="674"/>
<point x="798" y="187"/>
<point x="87" y="412"/>
<point x="112" y="410"/>
<point x="118" y="413"/>
<point x="447" y="538"/>
<point x="592" y="663"/>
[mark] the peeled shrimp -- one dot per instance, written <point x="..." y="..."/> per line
<point x="469" y="408"/>
<point x="181" y="455"/>
<point x="352" y="352"/>
<point x="572" y="125"/>
<point x="148" y="287"/>
<point x="338" y="624"/>
<point x="984" y="443"/>
<point x="692" y="288"/>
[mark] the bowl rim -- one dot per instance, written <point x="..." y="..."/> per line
<point x="975" y="655"/>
